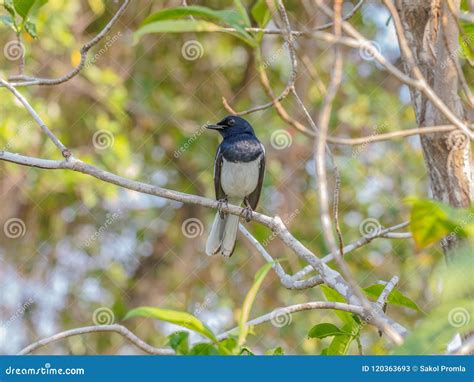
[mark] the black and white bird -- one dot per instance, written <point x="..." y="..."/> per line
<point x="239" y="169"/>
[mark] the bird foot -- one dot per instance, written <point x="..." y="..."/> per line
<point x="247" y="213"/>
<point x="221" y="203"/>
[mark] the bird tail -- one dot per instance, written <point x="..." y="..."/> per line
<point x="223" y="234"/>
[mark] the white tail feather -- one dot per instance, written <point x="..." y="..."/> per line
<point x="213" y="244"/>
<point x="223" y="234"/>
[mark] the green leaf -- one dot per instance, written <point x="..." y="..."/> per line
<point x="31" y="29"/>
<point x="8" y="21"/>
<point x="230" y="18"/>
<point x="243" y="12"/>
<point x="183" y="319"/>
<point x="341" y="343"/>
<point x="430" y="221"/>
<point x="245" y="350"/>
<point x="248" y="302"/>
<point x="395" y="297"/>
<point x="332" y="295"/>
<point x="226" y="16"/>
<point x="179" y="342"/>
<point x="204" y="349"/>
<point x="180" y="26"/>
<point x="23" y="7"/>
<point x="276" y="351"/>
<point x="230" y="343"/>
<point x="465" y="39"/>
<point x="325" y="330"/>
<point x="260" y="13"/>
<point x="8" y="5"/>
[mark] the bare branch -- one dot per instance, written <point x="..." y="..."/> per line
<point x="385" y="233"/>
<point x="386" y="291"/>
<point x="331" y="277"/>
<point x="30" y="81"/>
<point x="64" y="151"/>
<point x="115" y="328"/>
<point x="421" y="83"/>
<point x="345" y="18"/>
<point x="297" y="308"/>
<point x="289" y="42"/>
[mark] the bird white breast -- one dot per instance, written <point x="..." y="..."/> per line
<point x="239" y="179"/>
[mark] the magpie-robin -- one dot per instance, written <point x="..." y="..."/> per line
<point x="239" y="168"/>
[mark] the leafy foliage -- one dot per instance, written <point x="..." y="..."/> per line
<point x="175" y="317"/>
<point x="155" y="106"/>
<point x="248" y="302"/>
<point x="430" y="221"/>
<point x="395" y="297"/>
<point x="160" y="22"/>
<point x="454" y="312"/>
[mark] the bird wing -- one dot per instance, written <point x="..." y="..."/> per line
<point x="255" y="195"/>
<point x="217" y="175"/>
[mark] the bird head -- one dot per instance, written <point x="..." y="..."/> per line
<point x="232" y="125"/>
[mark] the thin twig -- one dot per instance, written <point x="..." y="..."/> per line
<point x="30" y="81"/>
<point x="345" y="18"/>
<point x="64" y="151"/>
<point x="115" y="328"/>
<point x="288" y="310"/>
<point x="289" y="41"/>
<point x="453" y="56"/>
<point x="384" y="233"/>
<point x="386" y="291"/>
<point x="421" y="83"/>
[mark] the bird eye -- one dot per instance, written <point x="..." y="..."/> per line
<point x="231" y="122"/>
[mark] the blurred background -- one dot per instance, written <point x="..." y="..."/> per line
<point x="87" y="247"/>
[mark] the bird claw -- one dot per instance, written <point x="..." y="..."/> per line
<point x="221" y="203"/>
<point x="247" y="213"/>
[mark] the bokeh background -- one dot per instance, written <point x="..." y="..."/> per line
<point x="138" y="110"/>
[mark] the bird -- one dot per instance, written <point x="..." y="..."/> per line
<point x="239" y="169"/>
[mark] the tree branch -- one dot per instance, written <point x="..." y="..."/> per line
<point x="297" y="308"/>
<point x="115" y="328"/>
<point x="64" y="151"/>
<point x="331" y="277"/>
<point x="30" y="81"/>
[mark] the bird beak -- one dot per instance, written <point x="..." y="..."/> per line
<point x="214" y="127"/>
